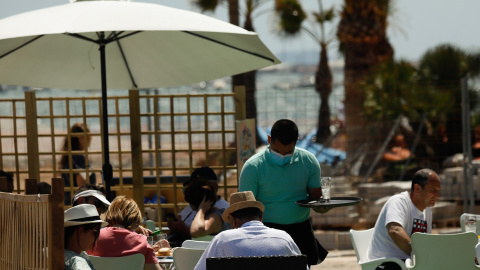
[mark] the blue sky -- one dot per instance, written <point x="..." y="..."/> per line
<point x="414" y="27"/>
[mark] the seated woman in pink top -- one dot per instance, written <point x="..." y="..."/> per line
<point x="119" y="239"/>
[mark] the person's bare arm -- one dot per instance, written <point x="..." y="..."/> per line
<point x="143" y="230"/>
<point x="152" y="266"/>
<point x="314" y="193"/>
<point x="178" y="226"/>
<point x="400" y="237"/>
<point x="80" y="180"/>
<point x="205" y="222"/>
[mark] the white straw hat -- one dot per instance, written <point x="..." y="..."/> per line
<point x="92" y="193"/>
<point x="82" y="214"/>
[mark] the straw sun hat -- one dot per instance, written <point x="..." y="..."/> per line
<point x="241" y="200"/>
<point x="82" y="214"/>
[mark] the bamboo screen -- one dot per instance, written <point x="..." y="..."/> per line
<point x="24" y="221"/>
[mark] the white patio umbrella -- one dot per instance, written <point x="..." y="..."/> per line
<point x="122" y="45"/>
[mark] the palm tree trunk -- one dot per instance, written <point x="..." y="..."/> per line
<point x="323" y="86"/>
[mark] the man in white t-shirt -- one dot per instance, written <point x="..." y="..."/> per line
<point x="180" y="225"/>
<point x="402" y="215"/>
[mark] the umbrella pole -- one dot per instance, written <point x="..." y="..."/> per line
<point x="107" y="167"/>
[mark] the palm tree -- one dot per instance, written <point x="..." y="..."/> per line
<point x="442" y="68"/>
<point x="363" y="37"/>
<point x="291" y="18"/>
<point x="247" y="79"/>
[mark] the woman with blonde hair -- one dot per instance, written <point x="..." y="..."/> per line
<point x="80" y="139"/>
<point x="119" y="239"/>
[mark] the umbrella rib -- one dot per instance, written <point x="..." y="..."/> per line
<point x="83" y="37"/>
<point x="231" y="46"/>
<point x="21" y="46"/>
<point x="126" y="64"/>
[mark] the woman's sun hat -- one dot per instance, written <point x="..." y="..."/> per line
<point x="82" y="214"/>
<point x="241" y="200"/>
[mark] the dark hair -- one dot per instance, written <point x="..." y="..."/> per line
<point x="76" y="131"/>
<point x="249" y="213"/>
<point x="44" y="188"/>
<point x="421" y="178"/>
<point x="197" y="190"/>
<point x="69" y="231"/>
<point x="89" y="187"/>
<point x="285" y="131"/>
<point x="201" y="173"/>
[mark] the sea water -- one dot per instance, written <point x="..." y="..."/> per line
<point x="281" y="94"/>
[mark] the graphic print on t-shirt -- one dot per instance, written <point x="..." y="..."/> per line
<point x="419" y="226"/>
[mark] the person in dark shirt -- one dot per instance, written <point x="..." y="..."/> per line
<point x="80" y="140"/>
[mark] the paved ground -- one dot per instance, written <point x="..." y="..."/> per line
<point x="339" y="260"/>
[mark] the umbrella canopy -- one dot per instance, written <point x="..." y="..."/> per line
<point x="147" y="45"/>
<point x="122" y="45"/>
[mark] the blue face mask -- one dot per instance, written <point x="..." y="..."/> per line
<point x="280" y="159"/>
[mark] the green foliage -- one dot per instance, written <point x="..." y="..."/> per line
<point x="291" y="16"/>
<point x="324" y="16"/>
<point x="206" y="5"/>
<point x="394" y="89"/>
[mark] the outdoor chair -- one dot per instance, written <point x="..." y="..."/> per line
<point x="207" y="238"/>
<point x="462" y="222"/>
<point x="131" y="262"/>
<point x="291" y="262"/>
<point x="443" y="251"/>
<point x="186" y="258"/>
<point x="150" y="224"/>
<point x="361" y="241"/>
<point x="195" y="244"/>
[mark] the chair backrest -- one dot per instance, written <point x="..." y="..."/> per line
<point x="291" y="262"/>
<point x="131" y="262"/>
<point x="444" y="251"/>
<point x="462" y="222"/>
<point x="204" y="238"/>
<point x="150" y="224"/>
<point x="186" y="258"/>
<point x="361" y="241"/>
<point x="195" y="244"/>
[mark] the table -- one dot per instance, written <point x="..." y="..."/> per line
<point x="166" y="262"/>
<point x="321" y="206"/>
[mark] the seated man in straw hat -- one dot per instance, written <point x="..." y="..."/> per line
<point x="249" y="236"/>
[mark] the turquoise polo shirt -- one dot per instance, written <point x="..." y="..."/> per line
<point x="279" y="187"/>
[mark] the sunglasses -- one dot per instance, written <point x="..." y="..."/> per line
<point x="97" y="203"/>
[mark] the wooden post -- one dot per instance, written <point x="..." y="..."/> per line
<point x="240" y="112"/>
<point x="31" y="186"/>
<point x="32" y="135"/>
<point x="240" y="102"/>
<point x="55" y="227"/>
<point x="136" y="144"/>
<point x="6" y="185"/>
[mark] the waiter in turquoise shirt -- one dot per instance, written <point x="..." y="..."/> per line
<point x="280" y="176"/>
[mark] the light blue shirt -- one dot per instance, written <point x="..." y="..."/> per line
<point x="75" y="261"/>
<point x="279" y="187"/>
<point x="252" y="239"/>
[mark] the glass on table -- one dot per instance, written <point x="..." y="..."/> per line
<point x="470" y="222"/>
<point x="326" y="186"/>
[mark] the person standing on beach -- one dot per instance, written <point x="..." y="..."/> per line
<point x="80" y="140"/>
<point x="280" y="176"/>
